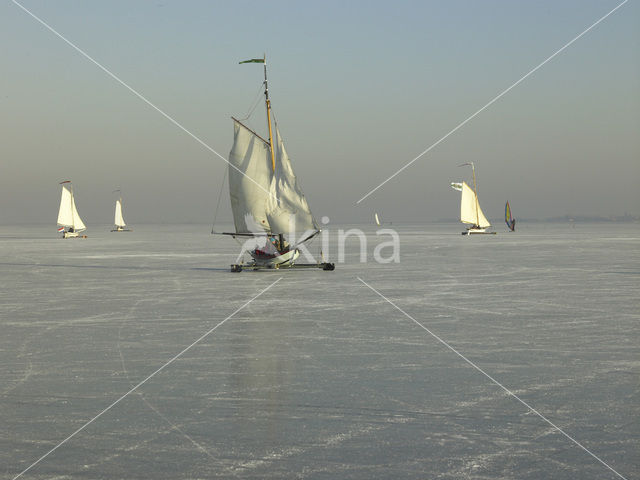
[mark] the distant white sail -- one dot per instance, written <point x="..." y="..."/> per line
<point x="79" y="224"/>
<point x="470" y="211"/>
<point x="68" y="213"/>
<point x="119" y="220"/>
<point x="264" y="200"/>
<point x="65" y="213"/>
<point x="375" y="215"/>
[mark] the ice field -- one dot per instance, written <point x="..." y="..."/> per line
<point x="320" y="377"/>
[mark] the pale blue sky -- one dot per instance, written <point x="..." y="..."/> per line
<point x="358" y="88"/>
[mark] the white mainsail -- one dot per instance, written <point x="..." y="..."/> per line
<point x="249" y="181"/>
<point x="65" y="213"/>
<point x="263" y="199"/>
<point x="68" y="214"/>
<point x="119" y="220"/>
<point x="470" y="211"/>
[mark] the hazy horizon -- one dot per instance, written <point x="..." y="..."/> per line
<point x="358" y="90"/>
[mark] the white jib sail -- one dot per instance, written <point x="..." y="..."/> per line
<point x="287" y="208"/>
<point x="470" y="211"/>
<point x="249" y="192"/>
<point x="119" y="220"/>
<point x="68" y="214"/>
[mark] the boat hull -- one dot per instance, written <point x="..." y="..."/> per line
<point x="73" y="235"/>
<point x="326" y="266"/>
<point x="477" y="231"/>
<point x="283" y="260"/>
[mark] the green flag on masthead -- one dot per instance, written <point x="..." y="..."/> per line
<point x="254" y="60"/>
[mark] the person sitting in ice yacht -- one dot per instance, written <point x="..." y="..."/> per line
<point x="270" y="247"/>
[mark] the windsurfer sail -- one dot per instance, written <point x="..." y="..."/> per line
<point x="509" y="220"/>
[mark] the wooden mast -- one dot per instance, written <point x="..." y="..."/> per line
<point x="73" y="219"/>
<point x="268" y="104"/>
<point x="475" y="190"/>
<point x="280" y="243"/>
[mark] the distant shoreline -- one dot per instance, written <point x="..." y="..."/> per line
<point x="570" y="219"/>
<point x="589" y="219"/>
<point x="575" y="219"/>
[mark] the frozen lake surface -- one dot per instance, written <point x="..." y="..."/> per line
<point x="320" y="377"/>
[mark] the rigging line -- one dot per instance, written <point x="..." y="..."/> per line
<point x="254" y="104"/>
<point x="215" y="215"/>
<point x="253" y="109"/>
